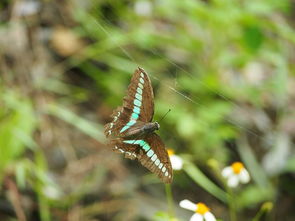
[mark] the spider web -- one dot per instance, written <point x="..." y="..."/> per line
<point x="190" y="98"/>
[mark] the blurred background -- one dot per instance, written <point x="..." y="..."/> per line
<point x="225" y="68"/>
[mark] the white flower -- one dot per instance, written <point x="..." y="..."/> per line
<point x="235" y="173"/>
<point x="143" y="8"/>
<point x="26" y="8"/>
<point x="51" y="192"/>
<point x="176" y="161"/>
<point x="202" y="212"/>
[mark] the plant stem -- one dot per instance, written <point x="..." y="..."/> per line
<point x="232" y="205"/>
<point x="169" y="198"/>
<point x="264" y="210"/>
<point x="201" y="179"/>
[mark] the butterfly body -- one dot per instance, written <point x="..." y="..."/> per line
<point x="132" y="131"/>
<point x="142" y="129"/>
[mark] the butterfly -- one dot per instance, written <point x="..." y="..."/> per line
<point x="132" y="132"/>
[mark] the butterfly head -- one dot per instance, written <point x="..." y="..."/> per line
<point x="157" y="125"/>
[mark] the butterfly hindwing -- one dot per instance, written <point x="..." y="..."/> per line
<point x="153" y="155"/>
<point x="129" y="150"/>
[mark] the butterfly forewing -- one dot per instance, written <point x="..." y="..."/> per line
<point x="140" y="94"/>
<point x="138" y="105"/>
<point x="120" y="118"/>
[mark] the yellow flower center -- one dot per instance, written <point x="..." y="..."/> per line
<point x="237" y="167"/>
<point x="170" y="152"/>
<point x="202" y="208"/>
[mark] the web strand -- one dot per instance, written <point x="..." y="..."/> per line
<point x="119" y="46"/>
<point x="188" y="98"/>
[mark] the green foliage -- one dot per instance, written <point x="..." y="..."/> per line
<point x="225" y="68"/>
<point x="253" y="195"/>
<point x="204" y="182"/>
<point x="18" y="122"/>
<point x="86" y="127"/>
<point x="163" y="216"/>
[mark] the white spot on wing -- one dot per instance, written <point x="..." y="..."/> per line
<point x="154" y="157"/>
<point x="140" y="85"/>
<point x="157" y="162"/>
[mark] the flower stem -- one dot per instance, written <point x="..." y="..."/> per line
<point x="264" y="210"/>
<point x="232" y="205"/>
<point x="169" y="198"/>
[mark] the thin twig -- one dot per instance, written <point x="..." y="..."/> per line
<point x="15" y="199"/>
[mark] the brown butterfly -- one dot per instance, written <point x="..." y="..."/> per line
<point x="131" y="131"/>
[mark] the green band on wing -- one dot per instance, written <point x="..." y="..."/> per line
<point x="150" y="153"/>
<point x="146" y="147"/>
<point x="140" y="85"/>
<point x="134" y="116"/>
<point x="157" y="162"/>
<point x="132" y="141"/>
<point x="142" y="143"/>
<point x="139" y="90"/>
<point x="138" y="96"/>
<point x="129" y="124"/>
<point x="124" y="128"/>
<point x="137" y="102"/>
<point x="154" y="157"/>
<point x="136" y="110"/>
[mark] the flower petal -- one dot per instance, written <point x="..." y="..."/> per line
<point x="227" y="172"/>
<point x="209" y="217"/>
<point x="52" y="192"/>
<point x="176" y="162"/>
<point x="233" y="181"/>
<point x="186" y="204"/>
<point x="244" y="176"/>
<point x="196" y="217"/>
<point x="143" y="8"/>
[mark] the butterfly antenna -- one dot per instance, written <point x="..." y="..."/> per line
<point x="164" y="115"/>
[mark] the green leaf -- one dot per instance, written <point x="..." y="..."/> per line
<point x="201" y="179"/>
<point x="163" y="216"/>
<point x="253" y="37"/>
<point x="253" y="195"/>
<point x="16" y="127"/>
<point x="93" y="130"/>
